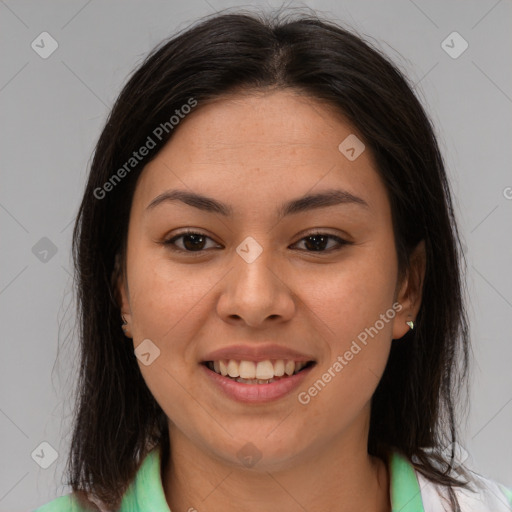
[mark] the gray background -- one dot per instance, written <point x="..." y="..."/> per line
<point x="53" y="110"/>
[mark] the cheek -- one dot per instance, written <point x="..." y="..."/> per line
<point x="347" y="300"/>
<point x="165" y="299"/>
<point x="166" y="310"/>
<point x="347" y="379"/>
<point x="355" y="306"/>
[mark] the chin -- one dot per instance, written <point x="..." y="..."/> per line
<point x="258" y="451"/>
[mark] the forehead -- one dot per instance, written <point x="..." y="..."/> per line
<point x="248" y="122"/>
<point x="265" y="144"/>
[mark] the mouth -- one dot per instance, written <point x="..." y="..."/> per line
<point x="257" y="372"/>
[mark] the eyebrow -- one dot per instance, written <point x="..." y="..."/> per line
<point x="330" y="197"/>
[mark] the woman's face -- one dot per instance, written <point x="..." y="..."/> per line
<point x="250" y="286"/>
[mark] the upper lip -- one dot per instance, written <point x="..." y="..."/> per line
<point x="256" y="353"/>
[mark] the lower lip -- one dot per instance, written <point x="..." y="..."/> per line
<point x="257" y="393"/>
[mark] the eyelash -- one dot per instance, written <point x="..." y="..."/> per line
<point x="171" y="242"/>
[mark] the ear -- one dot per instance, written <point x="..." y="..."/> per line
<point x="411" y="288"/>
<point x="121" y="292"/>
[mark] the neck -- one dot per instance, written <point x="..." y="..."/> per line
<point x="343" y="477"/>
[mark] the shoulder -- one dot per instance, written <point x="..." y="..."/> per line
<point x="67" y="503"/>
<point x="145" y="490"/>
<point x="484" y="495"/>
<point x="59" y="505"/>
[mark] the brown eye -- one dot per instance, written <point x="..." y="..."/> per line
<point x="192" y="242"/>
<point x="316" y="242"/>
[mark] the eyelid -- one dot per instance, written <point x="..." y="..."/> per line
<point x="340" y="241"/>
<point x="170" y="242"/>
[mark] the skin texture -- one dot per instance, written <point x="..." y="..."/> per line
<point x="254" y="152"/>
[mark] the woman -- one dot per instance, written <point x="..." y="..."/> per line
<point x="268" y="213"/>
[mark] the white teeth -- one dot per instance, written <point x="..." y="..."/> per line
<point x="289" y="367"/>
<point x="264" y="370"/>
<point x="223" y="368"/>
<point x="299" y="366"/>
<point x="249" y="371"/>
<point x="279" y="368"/>
<point x="233" y="368"/>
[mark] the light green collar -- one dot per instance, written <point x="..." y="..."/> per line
<point x="147" y="493"/>
<point x="404" y="487"/>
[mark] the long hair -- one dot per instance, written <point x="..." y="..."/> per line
<point x="116" y="419"/>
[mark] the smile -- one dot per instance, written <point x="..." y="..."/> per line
<point x="257" y="372"/>
<point x="256" y="382"/>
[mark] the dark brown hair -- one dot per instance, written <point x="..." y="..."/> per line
<point x="117" y="420"/>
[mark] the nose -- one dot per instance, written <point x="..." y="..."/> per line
<point x="256" y="293"/>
